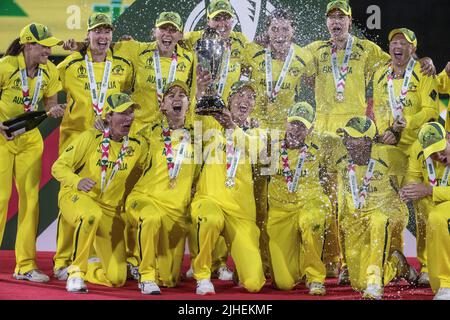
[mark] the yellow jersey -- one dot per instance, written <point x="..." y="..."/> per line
<point x="309" y="187"/>
<point x="239" y="200"/>
<point x="82" y="159"/>
<point x="421" y="103"/>
<point x="79" y="114"/>
<point x="11" y="98"/>
<point x="417" y="172"/>
<point x="443" y="82"/>
<point x="366" y="56"/>
<point x="273" y="114"/>
<point x="382" y="190"/>
<point x="141" y="54"/>
<point x="155" y="182"/>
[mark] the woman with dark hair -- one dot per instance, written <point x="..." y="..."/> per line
<point x="26" y="78"/>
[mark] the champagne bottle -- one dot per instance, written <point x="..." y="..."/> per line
<point x="24" y="122"/>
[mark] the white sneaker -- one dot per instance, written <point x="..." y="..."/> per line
<point x="224" y="274"/>
<point x="34" y="275"/>
<point x="190" y="273"/>
<point x="149" y="287"/>
<point x="373" y="292"/>
<point x="133" y="272"/>
<point x="76" y="285"/>
<point x="205" y="287"/>
<point x="424" y="279"/>
<point x="344" y="278"/>
<point x="61" y="273"/>
<point x="442" y="294"/>
<point x="316" y="289"/>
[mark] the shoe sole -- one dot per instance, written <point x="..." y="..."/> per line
<point x="206" y="293"/>
<point x="317" y="293"/>
<point x="77" y="291"/>
<point x="18" y="277"/>
<point x="153" y="293"/>
<point x="371" y="297"/>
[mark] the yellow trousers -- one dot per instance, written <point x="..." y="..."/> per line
<point x="367" y="244"/>
<point x="161" y="237"/>
<point x="422" y="208"/>
<point x="242" y="235"/>
<point x="21" y="158"/>
<point x="438" y="246"/>
<point x="98" y="229"/>
<point x="296" y="240"/>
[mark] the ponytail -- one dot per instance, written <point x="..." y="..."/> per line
<point x="14" y="48"/>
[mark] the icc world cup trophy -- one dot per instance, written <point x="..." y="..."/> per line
<point x="210" y="51"/>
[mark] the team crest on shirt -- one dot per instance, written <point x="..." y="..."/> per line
<point x="412" y="87"/>
<point x="130" y="151"/>
<point x="181" y="67"/>
<point x="118" y="70"/>
<point x="235" y="53"/>
<point x="325" y="56"/>
<point x="294" y="71"/>
<point x="377" y="175"/>
<point x="149" y="63"/>
<point x="81" y="72"/>
<point x="17" y="84"/>
<point x="262" y="65"/>
<point x="355" y="56"/>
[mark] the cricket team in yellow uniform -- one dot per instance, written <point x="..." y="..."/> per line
<point x="285" y="183"/>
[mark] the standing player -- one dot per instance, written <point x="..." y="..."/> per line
<point x="297" y="204"/>
<point x="404" y="99"/>
<point x="160" y="214"/>
<point x="344" y="66"/>
<point x="444" y="91"/>
<point x="427" y="178"/>
<point x="369" y="208"/>
<point x="92" y="172"/>
<point x="224" y="202"/>
<point x="88" y="77"/>
<point x="26" y="78"/>
<point x="220" y="16"/>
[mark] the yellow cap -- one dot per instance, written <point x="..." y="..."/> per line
<point x="170" y="17"/>
<point x="432" y="138"/>
<point x="176" y="83"/>
<point x="218" y="6"/>
<point x="360" y="127"/>
<point x="99" y="19"/>
<point x="36" y="32"/>
<point x="117" y="102"/>
<point x="409" y="35"/>
<point x="240" y="84"/>
<point x="302" y="111"/>
<point x="341" y="5"/>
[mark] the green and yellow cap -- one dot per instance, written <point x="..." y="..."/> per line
<point x="432" y="138"/>
<point x="360" y="127"/>
<point x="341" y="5"/>
<point x="36" y="32"/>
<point x="239" y="85"/>
<point x="176" y="83"/>
<point x="409" y="35"/>
<point x="98" y="19"/>
<point x="218" y="6"/>
<point x="170" y="17"/>
<point x="302" y="111"/>
<point x="118" y="102"/>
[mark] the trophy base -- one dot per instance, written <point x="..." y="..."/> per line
<point x="208" y="105"/>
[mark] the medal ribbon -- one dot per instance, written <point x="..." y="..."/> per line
<point x="359" y="196"/>
<point x="397" y="104"/>
<point x="271" y="91"/>
<point x="232" y="155"/>
<point x="98" y="99"/>
<point x="105" y="155"/>
<point x="158" y="73"/>
<point x="432" y="174"/>
<point x="292" y="181"/>
<point x="174" y="167"/>
<point x="27" y="104"/>
<point x="340" y="74"/>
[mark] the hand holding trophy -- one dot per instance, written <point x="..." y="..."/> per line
<point x="212" y="58"/>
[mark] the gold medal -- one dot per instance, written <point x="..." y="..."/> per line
<point x="229" y="183"/>
<point x="172" y="183"/>
<point x="339" y="96"/>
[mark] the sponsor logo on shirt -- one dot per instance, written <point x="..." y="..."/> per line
<point x="81" y="72"/>
<point x="181" y="67"/>
<point x="118" y="70"/>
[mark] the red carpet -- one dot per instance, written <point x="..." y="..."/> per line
<point x="11" y="289"/>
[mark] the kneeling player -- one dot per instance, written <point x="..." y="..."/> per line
<point x="298" y="207"/>
<point x="369" y="207"/>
